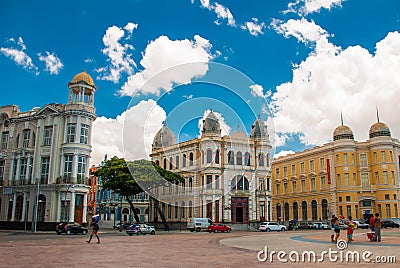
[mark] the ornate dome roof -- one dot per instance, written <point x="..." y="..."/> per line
<point x="379" y="129"/>
<point x="163" y="138"/>
<point x="343" y="132"/>
<point x="211" y="124"/>
<point x="83" y="76"/>
<point x="259" y="129"/>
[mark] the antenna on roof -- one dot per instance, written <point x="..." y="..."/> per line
<point x="341" y="117"/>
<point x="377" y="113"/>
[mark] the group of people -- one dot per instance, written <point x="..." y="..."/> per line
<point x="374" y="222"/>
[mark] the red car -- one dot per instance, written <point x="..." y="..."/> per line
<point x="219" y="227"/>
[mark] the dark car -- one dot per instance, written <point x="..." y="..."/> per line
<point x="389" y="223"/>
<point x="71" y="228"/>
<point x="219" y="227"/>
<point x="306" y="225"/>
<point x="122" y="226"/>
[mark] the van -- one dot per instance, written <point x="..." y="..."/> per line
<point x="198" y="224"/>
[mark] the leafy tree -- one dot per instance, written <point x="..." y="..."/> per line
<point x="131" y="178"/>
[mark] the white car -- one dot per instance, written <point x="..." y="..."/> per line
<point x="271" y="226"/>
<point x="321" y="225"/>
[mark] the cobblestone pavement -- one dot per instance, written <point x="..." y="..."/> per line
<point x="180" y="249"/>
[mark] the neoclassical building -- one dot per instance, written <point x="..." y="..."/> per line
<point x="44" y="156"/>
<point x="226" y="177"/>
<point x="344" y="177"/>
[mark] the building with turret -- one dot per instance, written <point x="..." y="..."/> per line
<point x="44" y="156"/>
<point x="226" y="176"/>
<point x="344" y="177"/>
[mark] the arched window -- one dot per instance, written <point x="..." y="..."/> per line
<point x="18" y="208"/>
<point x="209" y="156"/>
<point x="217" y="157"/>
<point x="177" y="161"/>
<point x="176" y="210"/>
<point x="278" y="212"/>
<point x="190" y="209"/>
<point x="157" y="163"/>
<point x="247" y="159"/>
<point x="190" y="184"/>
<point x="267" y="158"/>
<point x="165" y="163"/>
<point x="231" y="158"/>
<point x="184" y="160"/>
<point x="239" y="158"/>
<point x="295" y="211"/>
<point x="314" y="211"/>
<point x="171" y="166"/>
<point x="240" y="183"/>
<point x="324" y="204"/>
<point x="286" y="208"/>
<point x="182" y="213"/>
<point x="191" y="159"/>
<point x="261" y="159"/>
<point x="304" y="210"/>
<point x="169" y="211"/>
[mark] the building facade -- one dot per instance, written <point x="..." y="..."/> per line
<point x="226" y="178"/>
<point x="44" y="156"/>
<point x="344" y="177"/>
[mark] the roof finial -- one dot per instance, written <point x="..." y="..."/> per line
<point x="341" y="117"/>
<point x="259" y="117"/>
<point x="377" y="113"/>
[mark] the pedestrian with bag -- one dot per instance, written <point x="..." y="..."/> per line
<point x="95" y="230"/>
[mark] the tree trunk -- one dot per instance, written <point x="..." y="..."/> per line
<point x="164" y="220"/>
<point x="133" y="209"/>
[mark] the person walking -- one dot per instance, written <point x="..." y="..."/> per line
<point x="332" y="228"/>
<point x="350" y="229"/>
<point x="378" y="227"/>
<point x="371" y="223"/>
<point x="336" y="228"/>
<point x="95" y="231"/>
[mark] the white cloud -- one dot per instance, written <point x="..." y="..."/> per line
<point x="189" y="59"/>
<point x="129" y="135"/>
<point x="283" y="153"/>
<point x="19" y="56"/>
<point x="221" y="11"/>
<point x="352" y="80"/>
<point x="118" y="52"/>
<point x="257" y="91"/>
<point x="89" y="60"/>
<point x="225" y="128"/>
<point x="305" y="7"/>
<point x="254" y="27"/>
<point x="53" y="63"/>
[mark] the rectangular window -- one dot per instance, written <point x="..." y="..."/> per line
<point x="285" y="171"/>
<point x="323" y="182"/>
<point x="285" y="188"/>
<point x="352" y="159"/>
<point x="261" y="185"/>
<point x="383" y="156"/>
<point x="376" y="178"/>
<point x="391" y="156"/>
<point x="277" y="173"/>
<point x="347" y="198"/>
<point x="312" y="166"/>
<point x="393" y="178"/>
<point x="387" y="197"/>
<point x="380" y="209"/>
<point x="385" y="177"/>
<point x="2" y="165"/>
<point x="81" y="166"/>
<point x="322" y="163"/>
<point x="209" y="181"/>
<point x="216" y="182"/>
<point x="340" y="210"/>
<point x="357" y="212"/>
<point x="302" y="171"/>
<point x="338" y="180"/>
<point x="345" y="159"/>
<point x="348" y="208"/>
<point x="294" y="187"/>
<point x="293" y="170"/>
<point x="48" y="132"/>
<point x="337" y="159"/>
<point x="44" y="172"/>
<point x="4" y="140"/>
<point x="303" y="185"/>
<point x="278" y="189"/>
<point x="68" y="166"/>
<point x="364" y="179"/>
<point x="354" y="179"/>
<point x="363" y="160"/>
<point x="268" y="184"/>
<point x="340" y="199"/>
<point x="388" y="214"/>
<point x="346" y="179"/>
<point x="71" y="132"/>
<point x="84" y="134"/>
<point x="22" y="168"/>
<point x="375" y="158"/>
<point x="312" y="180"/>
<point x="26" y="134"/>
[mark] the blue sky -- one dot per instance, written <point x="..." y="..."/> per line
<point x="305" y="60"/>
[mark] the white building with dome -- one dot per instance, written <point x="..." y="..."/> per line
<point x="44" y="157"/>
<point x="227" y="178"/>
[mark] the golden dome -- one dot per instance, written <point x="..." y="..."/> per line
<point x="343" y="132"/>
<point x="379" y="129"/>
<point x="83" y="76"/>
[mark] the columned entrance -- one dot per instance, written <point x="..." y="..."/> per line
<point x="240" y="210"/>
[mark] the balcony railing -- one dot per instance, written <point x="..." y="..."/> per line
<point x="69" y="180"/>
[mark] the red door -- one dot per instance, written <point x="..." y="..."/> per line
<point x="240" y="210"/>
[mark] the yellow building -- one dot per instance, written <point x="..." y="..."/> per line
<point x="344" y="177"/>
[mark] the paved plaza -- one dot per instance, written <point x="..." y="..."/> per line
<point x="183" y="249"/>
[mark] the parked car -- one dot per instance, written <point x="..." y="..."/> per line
<point x="122" y="226"/>
<point x="320" y="225"/>
<point x="71" y="228"/>
<point x="361" y="225"/>
<point x="389" y="223"/>
<point x="271" y="226"/>
<point x="306" y="225"/>
<point x="219" y="227"/>
<point x="139" y="229"/>
<point x="198" y="224"/>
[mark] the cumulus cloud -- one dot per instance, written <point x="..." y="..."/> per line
<point x="222" y="12"/>
<point x="225" y="128"/>
<point x="283" y="153"/>
<point x="257" y="90"/>
<point x="352" y="80"/>
<point x="18" y="55"/>
<point x="189" y="59"/>
<point x="129" y="135"/>
<point x="118" y="51"/>
<point x="305" y="7"/>
<point x="53" y="63"/>
<point x="254" y="27"/>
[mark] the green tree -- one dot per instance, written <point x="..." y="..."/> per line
<point x="131" y="178"/>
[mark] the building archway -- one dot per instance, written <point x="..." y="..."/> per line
<point x="18" y="208"/>
<point x="41" y="208"/>
<point x="324" y="204"/>
<point x="278" y="212"/>
<point x="286" y="212"/>
<point x="125" y="214"/>
<point x="314" y="210"/>
<point x="304" y="210"/>
<point x="295" y="211"/>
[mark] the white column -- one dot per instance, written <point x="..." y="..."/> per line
<point x="28" y="164"/>
<point x="72" y="207"/>
<point x="14" y="206"/>
<point x="10" y="178"/>
<point x="85" y="208"/>
<point x="58" y="206"/>
<point x="23" y="218"/>
<point x="18" y="169"/>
